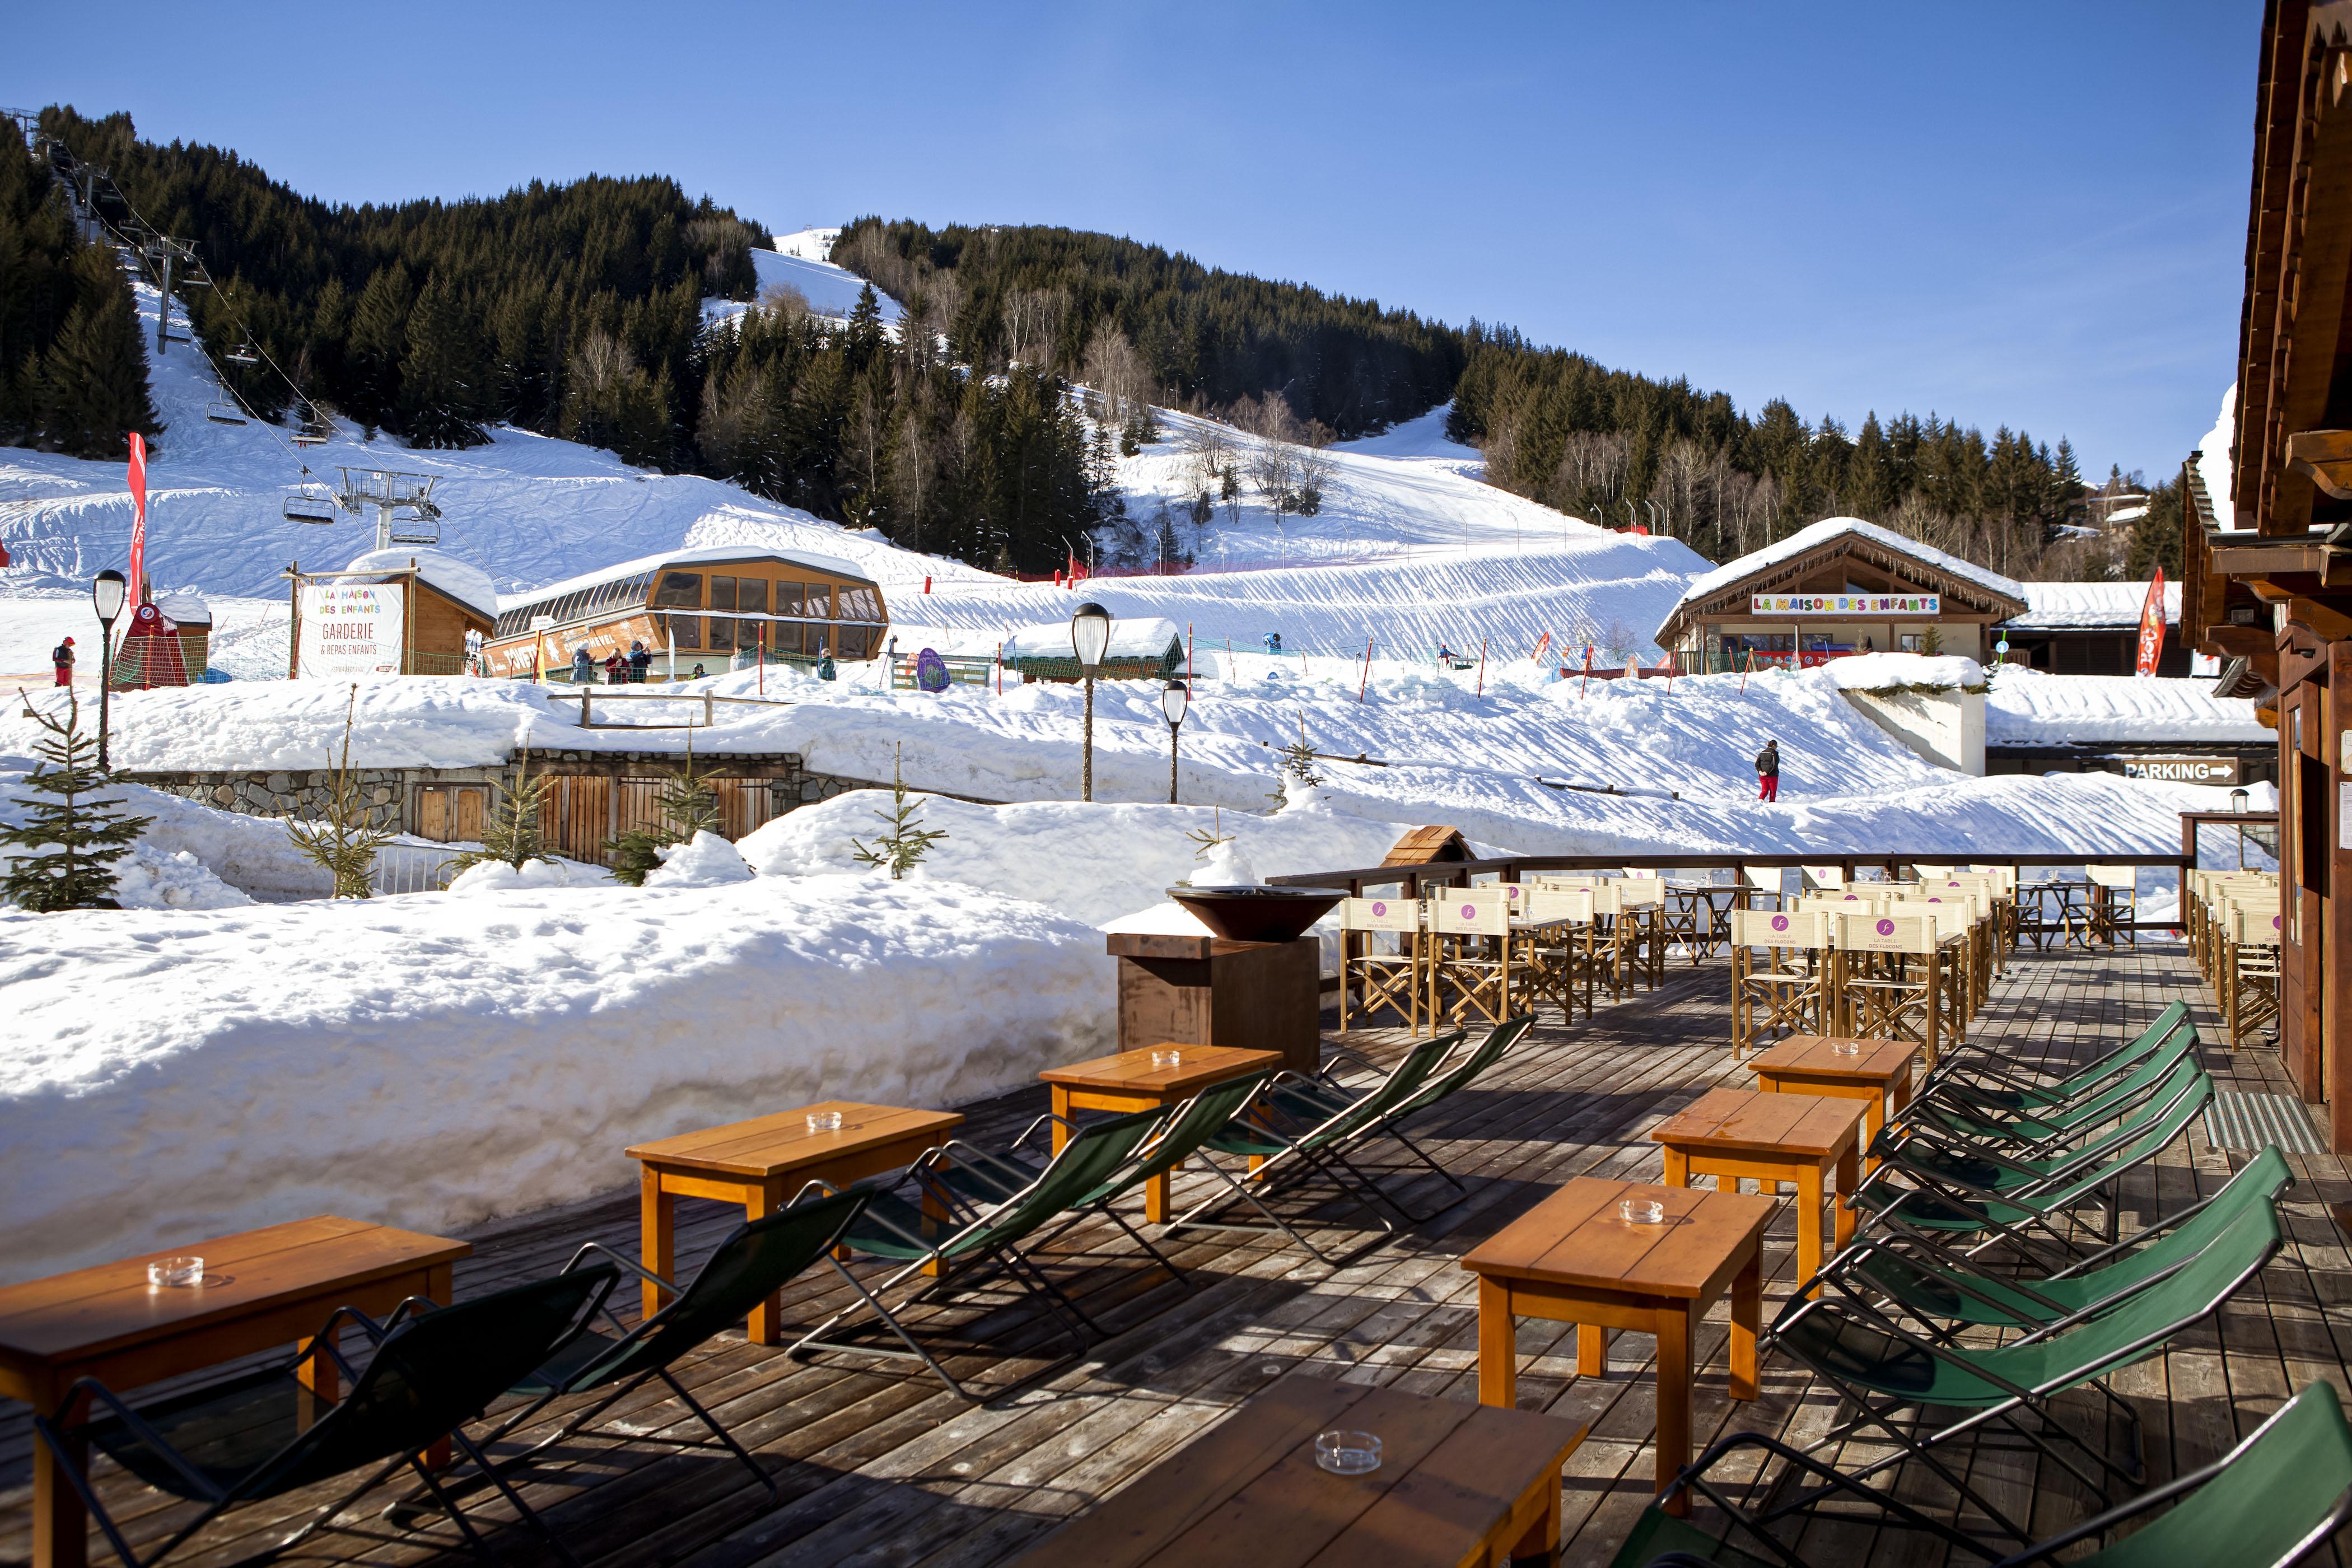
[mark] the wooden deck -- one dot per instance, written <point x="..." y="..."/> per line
<point x="877" y="1464"/>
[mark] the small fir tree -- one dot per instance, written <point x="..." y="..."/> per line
<point x="346" y="842"/>
<point x="68" y="843"/>
<point x="686" y="806"/>
<point x="904" y="846"/>
<point x="1299" y="760"/>
<point x="1206" y="839"/>
<point x="1931" y="641"/>
<point x="512" y="835"/>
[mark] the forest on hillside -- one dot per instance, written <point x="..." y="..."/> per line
<point x="575" y="310"/>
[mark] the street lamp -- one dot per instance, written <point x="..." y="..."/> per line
<point x="1172" y="704"/>
<point x="107" y="592"/>
<point x="1089" y="639"/>
<point x="2237" y="800"/>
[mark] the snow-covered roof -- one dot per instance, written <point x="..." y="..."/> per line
<point x="1814" y="535"/>
<point x="1146" y="638"/>
<point x="184" y="607"/>
<point x="2213" y="458"/>
<point x="1898" y="672"/>
<point x="2060" y="606"/>
<point x="814" y="563"/>
<point x="2031" y="707"/>
<point x="461" y="580"/>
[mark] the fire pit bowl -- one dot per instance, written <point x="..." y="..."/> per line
<point x="1258" y="914"/>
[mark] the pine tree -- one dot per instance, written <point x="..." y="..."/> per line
<point x="440" y="375"/>
<point x="905" y="845"/>
<point x="345" y="843"/>
<point x="686" y="806"/>
<point x="66" y="845"/>
<point x="378" y="336"/>
<point x="90" y="387"/>
<point x="513" y="836"/>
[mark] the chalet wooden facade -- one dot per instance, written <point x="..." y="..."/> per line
<point x="439" y="607"/>
<point x="693" y="606"/>
<point x="1838" y="587"/>
<point x="2268" y="568"/>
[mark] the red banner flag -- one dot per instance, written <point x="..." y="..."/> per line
<point x="138" y="520"/>
<point x="2151" y="627"/>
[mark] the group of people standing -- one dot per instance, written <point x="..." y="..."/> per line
<point x="620" y="669"/>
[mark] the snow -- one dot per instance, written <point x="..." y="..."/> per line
<point x="798" y="261"/>
<point x="1142" y="636"/>
<point x="1815" y="534"/>
<point x="1896" y="671"/>
<point x="706" y="860"/>
<point x="498" y="877"/>
<point x="460" y="580"/>
<point x="430" y="1062"/>
<point x="2059" y="605"/>
<point x="2030" y="706"/>
<point x="2213" y="459"/>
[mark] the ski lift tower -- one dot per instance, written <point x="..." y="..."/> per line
<point x="404" y="510"/>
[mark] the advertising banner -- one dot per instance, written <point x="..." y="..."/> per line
<point x="351" y="628"/>
<point x="1847" y="604"/>
<point x="2151" y="629"/>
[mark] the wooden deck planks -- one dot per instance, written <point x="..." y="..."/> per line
<point x="877" y="1465"/>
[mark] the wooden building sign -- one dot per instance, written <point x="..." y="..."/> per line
<point x="2182" y="770"/>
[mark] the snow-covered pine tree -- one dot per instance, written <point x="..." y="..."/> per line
<point x="66" y="847"/>
<point x="686" y="806"/>
<point x="513" y="835"/>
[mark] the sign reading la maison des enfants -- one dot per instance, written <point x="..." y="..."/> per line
<point x="351" y="628"/>
<point x="1849" y="605"/>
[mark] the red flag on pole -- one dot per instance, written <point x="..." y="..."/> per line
<point x="2151" y="627"/>
<point x="138" y="520"/>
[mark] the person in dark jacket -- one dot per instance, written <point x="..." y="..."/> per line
<point x="62" y="655"/>
<point x="583" y="667"/>
<point x="1767" y="772"/>
<point x="638" y="661"/>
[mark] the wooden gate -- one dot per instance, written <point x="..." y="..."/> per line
<point x="451" y="813"/>
<point x="577" y="816"/>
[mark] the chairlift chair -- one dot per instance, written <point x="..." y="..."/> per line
<point x="221" y="411"/>
<point x="242" y="355"/>
<point x="309" y="506"/>
<point x="422" y="528"/>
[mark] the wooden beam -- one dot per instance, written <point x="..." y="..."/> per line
<point x="2329" y="624"/>
<point x="2325" y="458"/>
<point x="2319" y="264"/>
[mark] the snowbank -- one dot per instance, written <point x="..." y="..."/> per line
<point x="430" y="1062"/>
<point x="1903" y="671"/>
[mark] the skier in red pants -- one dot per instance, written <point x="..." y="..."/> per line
<point x="1767" y="772"/>
<point x="62" y="655"/>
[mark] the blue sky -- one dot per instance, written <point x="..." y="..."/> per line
<point x="2023" y="214"/>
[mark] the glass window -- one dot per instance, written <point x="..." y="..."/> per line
<point x="855" y="642"/>
<point x="859" y="605"/>
<point x="722" y="595"/>
<point x="752" y="595"/>
<point x="813" y="639"/>
<point x="684" y="631"/>
<point x="788" y="598"/>
<point x="679" y="591"/>
<point x="817" y="601"/>
<point x="722" y="634"/>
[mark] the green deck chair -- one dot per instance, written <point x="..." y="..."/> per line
<point x="1936" y="1287"/>
<point x="2270" y="1502"/>
<point x="1294" y="1147"/>
<point x="2053" y="1125"/>
<point x="1949" y="1204"/>
<point x="250" y="1439"/>
<point x="983" y="1239"/>
<point x="1880" y="1369"/>
<point x="755" y="1261"/>
<point x="1978" y="1075"/>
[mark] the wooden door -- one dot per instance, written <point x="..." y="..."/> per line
<point x="578" y="816"/>
<point x="639" y="808"/>
<point x="434" y="816"/>
<point x="451" y="813"/>
<point x="742" y="805"/>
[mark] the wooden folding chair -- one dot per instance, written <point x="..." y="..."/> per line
<point x="1558" y="946"/>
<point x="1470" y="956"/>
<point x="1757" y="883"/>
<point x="2250" y="967"/>
<point x="2115" y="904"/>
<point x="1641" y="929"/>
<point x="1785" y="993"/>
<point x="1890" y="979"/>
<point x="1389" y="978"/>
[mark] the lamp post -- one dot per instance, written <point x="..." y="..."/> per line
<point x="1089" y="638"/>
<point x="1172" y="704"/>
<point x="107" y="592"/>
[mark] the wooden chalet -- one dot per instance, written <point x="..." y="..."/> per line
<point x="693" y="606"/>
<point x="435" y="602"/>
<point x="1840" y="587"/>
<point x="2267" y="568"/>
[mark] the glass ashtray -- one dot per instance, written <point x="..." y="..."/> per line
<point x="824" y="1121"/>
<point x="175" y="1271"/>
<point x="1846" y="1048"/>
<point x="1642" y="1211"/>
<point x="1167" y="1059"/>
<point x="1347" y="1453"/>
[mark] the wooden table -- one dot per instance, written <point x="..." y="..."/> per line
<point x="1880" y="1076"/>
<point x="1574" y="1259"/>
<point x="1460" y="1485"/>
<point x="1127" y="1082"/>
<point x="262" y="1290"/>
<point x="760" y="1163"/>
<point x="1811" y="1140"/>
